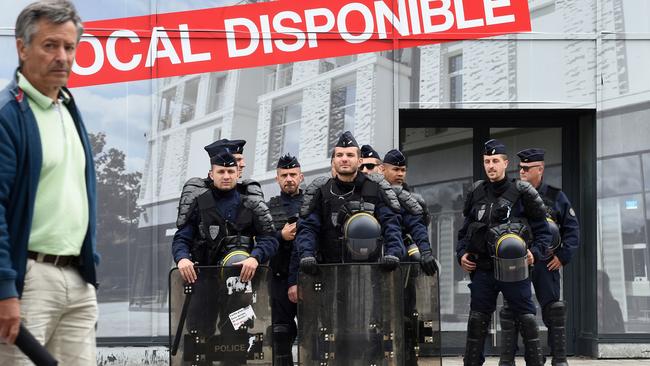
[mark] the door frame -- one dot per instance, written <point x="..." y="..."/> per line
<point x="578" y="182"/>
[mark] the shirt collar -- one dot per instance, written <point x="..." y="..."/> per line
<point x="39" y="98"/>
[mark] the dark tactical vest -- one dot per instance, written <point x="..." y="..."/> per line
<point x="337" y="207"/>
<point x="486" y="212"/>
<point x="280" y="261"/>
<point x="217" y="236"/>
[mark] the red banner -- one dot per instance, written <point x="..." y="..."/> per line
<point x="226" y="38"/>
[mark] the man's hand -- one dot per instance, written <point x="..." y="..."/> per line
<point x="530" y="259"/>
<point x="389" y="263"/>
<point x="428" y="263"/>
<point x="293" y="294"/>
<point x="289" y="232"/>
<point x="554" y="264"/>
<point x="467" y="264"/>
<point x="9" y="319"/>
<point x="309" y="265"/>
<point x="248" y="267"/>
<point x="186" y="268"/>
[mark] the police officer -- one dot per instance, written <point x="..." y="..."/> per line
<point x="226" y="218"/>
<point x="284" y="210"/>
<point x="546" y="274"/>
<point x="370" y="161"/>
<point x="319" y="235"/>
<point x="415" y="219"/>
<point x="496" y="245"/>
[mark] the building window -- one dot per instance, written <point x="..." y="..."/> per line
<point x="188" y="109"/>
<point x="455" y="71"/>
<point x="331" y="63"/>
<point x="342" y="112"/>
<point x="165" y="113"/>
<point x="216" y="94"/>
<point x="278" y="76"/>
<point x="284" y="136"/>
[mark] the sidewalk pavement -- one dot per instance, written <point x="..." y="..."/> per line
<point x="573" y="361"/>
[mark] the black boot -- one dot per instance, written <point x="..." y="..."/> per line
<point x="530" y="334"/>
<point x="508" y="337"/>
<point x="554" y="315"/>
<point x="282" y="344"/>
<point x="477" y="330"/>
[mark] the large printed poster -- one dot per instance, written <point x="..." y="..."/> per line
<point x="158" y="80"/>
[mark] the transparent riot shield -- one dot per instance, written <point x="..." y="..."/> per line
<point x="421" y="316"/>
<point x="349" y="315"/>
<point x="220" y="320"/>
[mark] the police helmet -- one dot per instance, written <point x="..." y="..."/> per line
<point x="362" y="236"/>
<point x="556" y="240"/>
<point x="510" y="262"/>
<point x="229" y="259"/>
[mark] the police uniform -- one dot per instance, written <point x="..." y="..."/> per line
<point x="284" y="311"/>
<point x="546" y="282"/>
<point x="490" y="207"/>
<point x="415" y="219"/>
<point x="329" y="202"/>
<point x="212" y="225"/>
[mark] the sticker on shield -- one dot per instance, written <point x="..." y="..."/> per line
<point x="241" y="316"/>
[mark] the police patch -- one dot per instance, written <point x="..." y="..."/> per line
<point x="571" y="212"/>
<point x="214" y="231"/>
<point x="481" y="212"/>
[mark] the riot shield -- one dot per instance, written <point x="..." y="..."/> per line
<point x="421" y="316"/>
<point x="350" y="314"/>
<point x="220" y="320"/>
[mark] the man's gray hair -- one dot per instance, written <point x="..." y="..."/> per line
<point x="55" y="11"/>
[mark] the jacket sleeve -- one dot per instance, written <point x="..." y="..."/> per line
<point x="542" y="237"/>
<point x="462" y="244"/>
<point x="183" y="239"/>
<point x="294" y="266"/>
<point x="415" y="226"/>
<point x="391" y="228"/>
<point x="569" y="229"/>
<point x="265" y="247"/>
<point x="7" y="177"/>
<point x="307" y="235"/>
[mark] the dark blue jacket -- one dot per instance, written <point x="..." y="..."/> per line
<point x="228" y="204"/>
<point x="417" y="228"/>
<point x="20" y="168"/>
<point x="569" y="227"/>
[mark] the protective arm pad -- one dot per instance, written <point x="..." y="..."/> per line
<point x="533" y="204"/>
<point x="261" y="214"/>
<point x="193" y="188"/>
<point x="389" y="197"/>
<point x="311" y="196"/>
<point x="408" y="201"/>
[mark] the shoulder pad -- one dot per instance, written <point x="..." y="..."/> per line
<point x="261" y="211"/>
<point x="469" y="196"/>
<point x="251" y="188"/>
<point x="390" y="197"/>
<point x="425" y="209"/>
<point x="408" y="201"/>
<point x="193" y="188"/>
<point x="311" y="194"/>
<point x="533" y="203"/>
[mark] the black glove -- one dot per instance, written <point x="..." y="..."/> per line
<point x="389" y="263"/>
<point x="428" y="262"/>
<point x="309" y="265"/>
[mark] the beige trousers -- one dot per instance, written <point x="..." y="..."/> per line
<point x="60" y="309"/>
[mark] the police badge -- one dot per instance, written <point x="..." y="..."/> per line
<point x="214" y="231"/>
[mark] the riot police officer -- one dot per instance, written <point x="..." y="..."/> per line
<point x="370" y="161"/>
<point x="214" y="223"/>
<point x="284" y="209"/>
<point x="504" y="231"/>
<point x="329" y="202"/>
<point x="546" y="275"/>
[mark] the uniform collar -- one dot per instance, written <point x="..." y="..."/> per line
<point x="39" y="98"/>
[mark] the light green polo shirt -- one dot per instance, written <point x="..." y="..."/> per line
<point x="61" y="209"/>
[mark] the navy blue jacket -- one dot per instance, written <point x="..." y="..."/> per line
<point x="309" y="227"/>
<point x="569" y="227"/>
<point x="416" y="227"/>
<point x="291" y="205"/>
<point x="20" y="168"/>
<point x="227" y="204"/>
